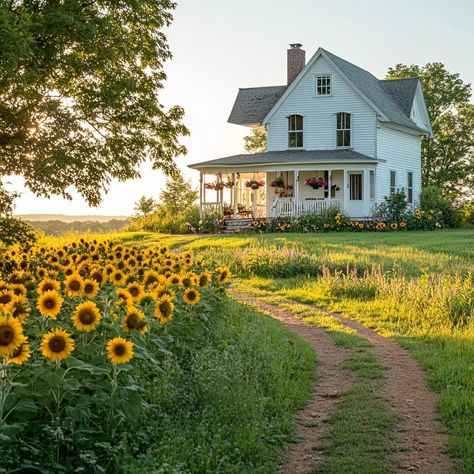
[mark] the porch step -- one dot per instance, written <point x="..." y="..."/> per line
<point x="236" y="225"/>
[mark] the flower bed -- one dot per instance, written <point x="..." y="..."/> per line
<point x="333" y="220"/>
<point x="82" y="327"/>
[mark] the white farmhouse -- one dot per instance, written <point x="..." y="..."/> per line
<point x="336" y="136"/>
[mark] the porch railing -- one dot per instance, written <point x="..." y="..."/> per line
<point x="286" y="207"/>
<point x="211" y="208"/>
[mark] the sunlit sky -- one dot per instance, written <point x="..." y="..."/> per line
<point x="221" y="45"/>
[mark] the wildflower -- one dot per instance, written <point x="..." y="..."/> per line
<point x="49" y="303"/>
<point x="191" y="296"/>
<point x="74" y="285"/>
<point x="11" y="335"/>
<point x="119" y="350"/>
<point x="91" y="288"/>
<point x="164" y="309"/>
<point x="57" y="344"/>
<point x="86" y="317"/>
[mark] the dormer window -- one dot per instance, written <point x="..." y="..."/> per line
<point x="323" y="85"/>
<point x="295" y="131"/>
<point x="343" y="129"/>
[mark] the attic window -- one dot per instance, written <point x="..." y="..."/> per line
<point x="295" y="131"/>
<point x="323" y="85"/>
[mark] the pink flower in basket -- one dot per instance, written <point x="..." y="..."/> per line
<point x="315" y="183"/>
<point x="255" y="183"/>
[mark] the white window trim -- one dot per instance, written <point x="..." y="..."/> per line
<point x="390" y="182"/>
<point x="350" y="129"/>
<point x="316" y="84"/>
<point x="288" y="133"/>
<point x="412" y="187"/>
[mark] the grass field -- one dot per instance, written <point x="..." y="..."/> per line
<point x="413" y="286"/>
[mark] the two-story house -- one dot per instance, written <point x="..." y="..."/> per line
<point x="336" y="135"/>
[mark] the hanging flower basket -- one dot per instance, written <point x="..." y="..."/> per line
<point x="315" y="183"/>
<point x="255" y="183"/>
<point x="229" y="184"/>
<point x="217" y="186"/>
<point x="278" y="183"/>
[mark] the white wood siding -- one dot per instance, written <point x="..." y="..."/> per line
<point x="402" y="153"/>
<point x="418" y="112"/>
<point x="319" y="114"/>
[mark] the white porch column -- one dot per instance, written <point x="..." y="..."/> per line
<point x="329" y="186"/>
<point x="235" y="192"/>
<point x="201" y="188"/>
<point x="345" y="189"/>
<point x="296" y="178"/>
<point x="366" y="192"/>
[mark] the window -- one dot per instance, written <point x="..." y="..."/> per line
<point x="355" y="186"/>
<point x="372" y="184"/>
<point x="343" y="129"/>
<point x="323" y="85"/>
<point x="410" y="187"/>
<point x="295" y="131"/>
<point x="393" y="182"/>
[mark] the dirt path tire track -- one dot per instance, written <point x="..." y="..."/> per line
<point x="333" y="383"/>
<point x="420" y="432"/>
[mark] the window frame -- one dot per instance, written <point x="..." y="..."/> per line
<point x="392" y="188"/>
<point x="410" y="194"/>
<point x="344" y="129"/>
<point x="295" y="131"/>
<point x="316" y="86"/>
<point x="372" y="185"/>
<point x="356" y="191"/>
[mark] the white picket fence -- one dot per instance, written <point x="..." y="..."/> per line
<point x="286" y="207"/>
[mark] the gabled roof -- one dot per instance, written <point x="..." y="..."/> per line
<point x="391" y="98"/>
<point x="288" y="157"/>
<point x="252" y="105"/>
<point x="402" y="91"/>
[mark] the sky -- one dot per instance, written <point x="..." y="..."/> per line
<point x="221" y="45"/>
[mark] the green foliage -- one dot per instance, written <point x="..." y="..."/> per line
<point x="448" y="158"/>
<point x="178" y="195"/>
<point x="434" y="198"/>
<point x="15" y="231"/>
<point x="394" y="207"/>
<point x="145" y="206"/>
<point x="210" y="223"/>
<point x="226" y="404"/>
<point x="104" y="58"/>
<point x="316" y="221"/>
<point x="468" y="212"/>
<point x="58" y="227"/>
<point x="256" y="141"/>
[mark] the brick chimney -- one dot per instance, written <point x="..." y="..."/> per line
<point x="296" y="61"/>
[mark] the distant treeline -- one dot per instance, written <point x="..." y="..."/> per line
<point x="57" y="227"/>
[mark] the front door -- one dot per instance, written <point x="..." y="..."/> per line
<point x="355" y="204"/>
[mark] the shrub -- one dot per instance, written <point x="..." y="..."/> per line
<point x="93" y="324"/>
<point x="433" y="199"/>
<point x="468" y="212"/>
<point x="330" y="218"/>
<point x="15" y="231"/>
<point x="209" y="224"/>
<point x="394" y="208"/>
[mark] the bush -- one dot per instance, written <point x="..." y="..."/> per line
<point x="15" y="231"/>
<point x="433" y="199"/>
<point x="394" y="208"/>
<point x="319" y="221"/>
<point x="468" y="212"/>
<point x="209" y="224"/>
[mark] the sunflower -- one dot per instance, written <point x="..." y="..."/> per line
<point x="223" y="274"/>
<point x="136" y="291"/>
<point x="19" y="308"/>
<point x="41" y="272"/>
<point x="11" y="335"/>
<point x="123" y="297"/>
<point x="57" y="344"/>
<point x="18" y="289"/>
<point x="6" y="297"/>
<point x="151" y="276"/>
<point x="161" y="291"/>
<point x="49" y="303"/>
<point x="164" y="309"/>
<point x="191" y="296"/>
<point x="21" y="354"/>
<point x="117" y="277"/>
<point x="74" y="285"/>
<point x="134" y="320"/>
<point x="174" y="279"/>
<point x="203" y="279"/>
<point x="188" y="280"/>
<point x="97" y="275"/>
<point x="393" y="226"/>
<point x="119" y="350"/>
<point x="69" y="270"/>
<point x="91" y="288"/>
<point x="86" y="317"/>
<point x="48" y="284"/>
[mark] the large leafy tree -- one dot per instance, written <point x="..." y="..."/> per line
<point x="79" y="86"/>
<point x="178" y="195"/>
<point x="256" y="141"/>
<point x="145" y="206"/>
<point x="447" y="158"/>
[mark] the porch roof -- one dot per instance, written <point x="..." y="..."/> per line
<point x="287" y="157"/>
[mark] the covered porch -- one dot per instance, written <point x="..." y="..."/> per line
<point x="261" y="187"/>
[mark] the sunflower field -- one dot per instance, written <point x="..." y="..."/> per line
<point x="85" y="328"/>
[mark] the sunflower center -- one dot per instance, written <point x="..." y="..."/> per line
<point x="75" y="285"/>
<point x="6" y="335"/>
<point x="5" y="299"/>
<point x="49" y="304"/>
<point x="57" y="344"/>
<point x="97" y="277"/>
<point x="165" y="309"/>
<point x="134" y="291"/>
<point x="132" y="321"/>
<point x="48" y="287"/>
<point x="120" y="350"/>
<point x="86" y="316"/>
<point x="118" y="277"/>
<point x="191" y="295"/>
<point x="89" y="288"/>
